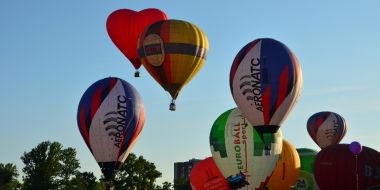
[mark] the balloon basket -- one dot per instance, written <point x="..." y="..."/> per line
<point x="172" y="106"/>
<point x="137" y="74"/>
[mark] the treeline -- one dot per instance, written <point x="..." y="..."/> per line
<point x="48" y="166"/>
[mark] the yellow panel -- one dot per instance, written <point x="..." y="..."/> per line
<point x="289" y="158"/>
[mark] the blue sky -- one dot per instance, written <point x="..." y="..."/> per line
<point x="52" y="51"/>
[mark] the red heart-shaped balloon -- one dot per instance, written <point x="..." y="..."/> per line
<point x="124" y="27"/>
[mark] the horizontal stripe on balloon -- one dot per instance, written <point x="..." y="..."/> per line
<point x="174" y="48"/>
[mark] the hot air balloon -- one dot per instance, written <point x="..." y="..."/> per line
<point x="110" y="119"/>
<point x="266" y="82"/>
<point x="172" y="51"/>
<point x="206" y="176"/>
<point x="236" y="146"/>
<point x="287" y="170"/>
<point x="335" y="167"/>
<point x="326" y="128"/>
<point x="124" y="27"/>
<point x="306" y="180"/>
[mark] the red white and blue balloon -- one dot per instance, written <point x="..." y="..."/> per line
<point x="110" y="119"/>
<point x="266" y="82"/>
<point x="326" y="128"/>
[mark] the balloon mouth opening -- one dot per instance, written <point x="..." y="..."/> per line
<point x="261" y="129"/>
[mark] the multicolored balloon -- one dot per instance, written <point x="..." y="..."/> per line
<point x="306" y="180"/>
<point x="110" y="119"/>
<point x="266" y="82"/>
<point x="335" y="168"/>
<point x="287" y="170"/>
<point x="236" y="146"/>
<point x="206" y="176"/>
<point x="124" y="27"/>
<point x="355" y="147"/>
<point x="326" y="128"/>
<point x="173" y="51"/>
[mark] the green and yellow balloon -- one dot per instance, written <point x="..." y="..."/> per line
<point x="236" y="146"/>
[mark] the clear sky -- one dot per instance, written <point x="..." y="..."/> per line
<point x="52" y="51"/>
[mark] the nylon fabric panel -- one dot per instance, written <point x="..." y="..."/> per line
<point x="186" y="48"/>
<point x="335" y="168"/>
<point x="330" y="128"/>
<point x="124" y="27"/>
<point x="206" y="175"/>
<point x="244" y="149"/>
<point x="259" y="78"/>
<point x="306" y="180"/>
<point x="287" y="170"/>
<point x="116" y="121"/>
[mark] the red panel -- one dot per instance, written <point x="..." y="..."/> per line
<point x="313" y="136"/>
<point x="296" y="66"/>
<point x="206" y="175"/>
<point x="95" y="102"/>
<point x="284" y="78"/>
<point x="319" y="121"/>
<point x="234" y="67"/>
<point x="124" y="27"/>
<point x="266" y="104"/>
<point x="83" y="125"/>
<point x="139" y="125"/>
<point x="112" y="83"/>
<point x="165" y="36"/>
<point x="335" y="168"/>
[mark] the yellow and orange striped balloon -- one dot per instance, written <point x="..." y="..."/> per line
<point x="173" y="52"/>
<point x="285" y="175"/>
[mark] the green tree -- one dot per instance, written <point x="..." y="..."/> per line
<point x="166" y="185"/>
<point x="48" y="166"/>
<point x="182" y="184"/>
<point x="8" y="177"/>
<point x="42" y="166"/>
<point x="89" y="180"/>
<point x="70" y="166"/>
<point x="135" y="173"/>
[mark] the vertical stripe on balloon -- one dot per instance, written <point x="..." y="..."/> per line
<point x="138" y="127"/>
<point x="266" y="105"/>
<point x="84" y="127"/>
<point x="283" y="86"/>
<point x="96" y="102"/>
<point x="319" y="121"/>
<point x="112" y="83"/>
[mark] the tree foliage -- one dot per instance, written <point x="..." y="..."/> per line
<point x="89" y="179"/>
<point x="135" y="173"/>
<point x="48" y="166"/>
<point x="8" y="177"/>
<point x="42" y="166"/>
<point x="182" y="184"/>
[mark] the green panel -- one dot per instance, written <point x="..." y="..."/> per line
<point x="307" y="161"/>
<point x="217" y="134"/>
<point x="259" y="145"/>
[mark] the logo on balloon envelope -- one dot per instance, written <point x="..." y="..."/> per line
<point x="154" y="49"/>
<point x="121" y="116"/>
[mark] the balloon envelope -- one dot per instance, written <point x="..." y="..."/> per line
<point x="124" y="27"/>
<point x="266" y="82"/>
<point x="110" y="119"/>
<point x="355" y="147"/>
<point x="236" y="146"/>
<point x="172" y="51"/>
<point x="335" y="168"/>
<point x="287" y="170"/>
<point x="206" y="176"/>
<point x="326" y="128"/>
<point x="306" y="180"/>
